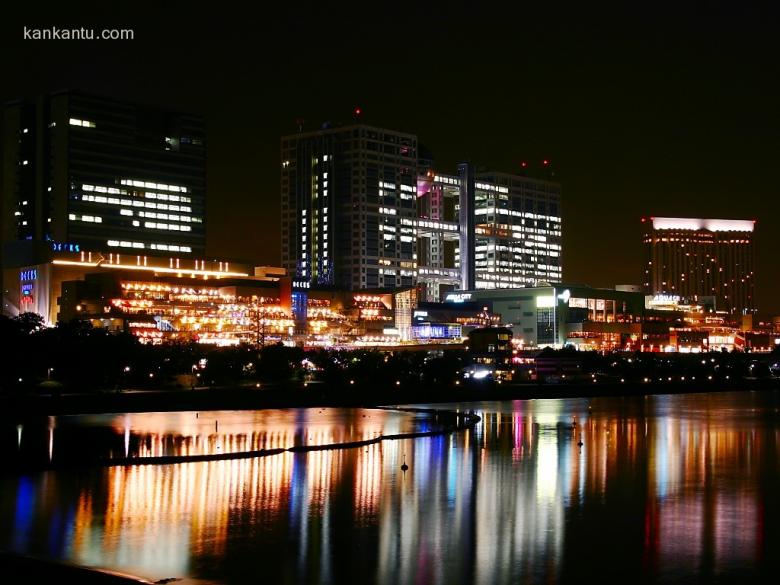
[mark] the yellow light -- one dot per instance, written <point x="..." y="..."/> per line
<point x="147" y="268"/>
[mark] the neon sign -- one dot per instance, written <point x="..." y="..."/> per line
<point x="60" y="247"/>
<point x="27" y="294"/>
<point x="458" y="297"/>
<point x="660" y="299"/>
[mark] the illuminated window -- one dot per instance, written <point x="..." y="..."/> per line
<point x="81" y="123"/>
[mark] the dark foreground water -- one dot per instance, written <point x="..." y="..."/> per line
<point x="681" y="489"/>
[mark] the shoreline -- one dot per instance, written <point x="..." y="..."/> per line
<point x="44" y="570"/>
<point x="320" y="395"/>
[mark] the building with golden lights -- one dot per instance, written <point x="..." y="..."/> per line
<point x="701" y="259"/>
<point x="216" y="302"/>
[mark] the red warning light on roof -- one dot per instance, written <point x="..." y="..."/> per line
<point x="358" y="111"/>
<point x="545" y="162"/>
<point x="523" y="164"/>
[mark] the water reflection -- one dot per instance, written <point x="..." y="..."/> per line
<point x="662" y="489"/>
<point x="70" y="439"/>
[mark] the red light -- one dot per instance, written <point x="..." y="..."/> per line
<point x="358" y="111"/>
<point x="545" y="162"/>
<point x="523" y="164"/>
<point x="643" y="220"/>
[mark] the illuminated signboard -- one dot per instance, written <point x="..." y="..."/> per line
<point x="27" y="294"/>
<point x="458" y="297"/>
<point x="61" y="247"/>
<point x="301" y="284"/>
<point x="30" y="274"/>
<point x="665" y="299"/>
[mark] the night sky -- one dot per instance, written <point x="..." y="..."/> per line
<point x="664" y="112"/>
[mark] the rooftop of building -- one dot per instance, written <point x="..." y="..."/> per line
<point x="698" y="224"/>
<point x="339" y="127"/>
<point x="25" y="99"/>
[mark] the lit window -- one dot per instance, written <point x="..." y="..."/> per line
<point x="81" y="123"/>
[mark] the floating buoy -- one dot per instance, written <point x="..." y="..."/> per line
<point x="404" y="466"/>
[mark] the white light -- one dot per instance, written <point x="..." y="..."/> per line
<point x="82" y="123"/>
<point x="545" y="302"/>
<point x="713" y="225"/>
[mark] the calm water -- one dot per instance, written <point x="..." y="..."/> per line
<point x="664" y="489"/>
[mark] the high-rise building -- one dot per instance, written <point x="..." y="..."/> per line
<point x="357" y="214"/>
<point x="348" y="207"/>
<point x="701" y="259"/>
<point x="515" y="234"/>
<point x="82" y="172"/>
<point x="518" y="231"/>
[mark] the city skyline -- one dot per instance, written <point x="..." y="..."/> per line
<point x="648" y="120"/>
<point x="390" y="292"/>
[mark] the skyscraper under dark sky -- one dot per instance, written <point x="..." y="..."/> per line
<point x="98" y="174"/>
<point x="696" y="258"/>
<point x="349" y="207"/>
<point x="360" y="210"/>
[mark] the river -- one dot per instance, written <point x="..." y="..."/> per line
<point x="662" y="489"/>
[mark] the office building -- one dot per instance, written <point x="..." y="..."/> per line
<point x="86" y="173"/>
<point x="710" y="261"/>
<point x="360" y="210"/>
<point x="513" y="232"/>
<point x="348" y="207"/>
